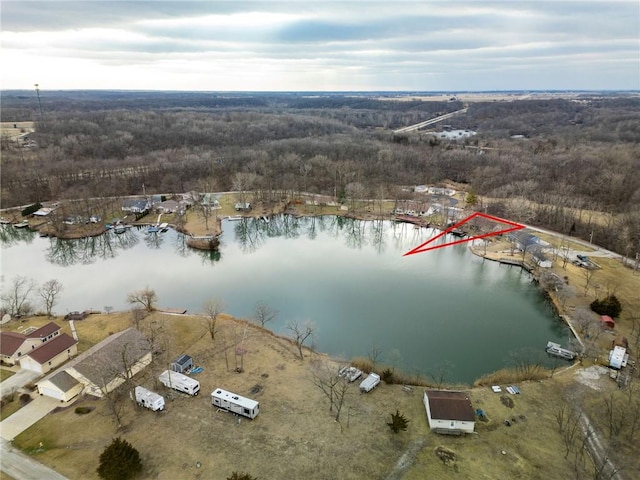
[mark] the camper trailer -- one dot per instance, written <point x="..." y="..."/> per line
<point x="179" y="382"/>
<point x="370" y="382"/>
<point x="149" y="399"/>
<point x="618" y="358"/>
<point x="235" y="403"/>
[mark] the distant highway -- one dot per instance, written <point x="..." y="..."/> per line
<point x="417" y="126"/>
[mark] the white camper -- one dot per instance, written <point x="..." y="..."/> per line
<point x="370" y="382"/>
<point x="618" y="357"/>
<point x="179" y="382"/>
<point x="149" y="399"/>
<point x="235" y="403"/>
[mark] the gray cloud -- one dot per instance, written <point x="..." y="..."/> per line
<point x="391" y="44"/>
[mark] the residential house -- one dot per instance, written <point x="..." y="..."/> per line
<point x="13" y="345"/>
<point x="449" y="411"/>
<point x="60" y="385"/>
<point x="136" y="205"/>
<point x="108" y="364"/>
<point x="168" y="206"/>
<point x="50" y="355"/>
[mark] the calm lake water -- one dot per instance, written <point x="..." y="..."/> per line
<point x="442" y="307"/>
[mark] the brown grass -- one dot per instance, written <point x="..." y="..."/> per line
<point x="295" y="435"/>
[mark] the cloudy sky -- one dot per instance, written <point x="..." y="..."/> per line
<point x="321" y="45"/>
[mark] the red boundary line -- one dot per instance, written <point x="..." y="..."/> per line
<point x="420" y="248"/>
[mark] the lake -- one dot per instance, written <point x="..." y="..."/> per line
<point x="443" y="309"/>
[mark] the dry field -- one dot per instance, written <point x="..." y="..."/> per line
<point x="15" y="129"/>
<point x="294" y="436"/>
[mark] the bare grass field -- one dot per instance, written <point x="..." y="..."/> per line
<point x="295" y="435"/>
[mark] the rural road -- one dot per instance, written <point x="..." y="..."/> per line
<point x="19" y="466"/>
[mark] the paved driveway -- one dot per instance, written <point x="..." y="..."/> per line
<point x="18" y="380"/>
<point x="27" y="416"/>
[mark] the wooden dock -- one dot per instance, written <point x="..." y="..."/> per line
<point x="173" y="311"/>
<point x="516" y="263"/>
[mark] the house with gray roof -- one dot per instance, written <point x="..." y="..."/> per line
<point x="108" y="364"/>
<point x="60" y="385"/>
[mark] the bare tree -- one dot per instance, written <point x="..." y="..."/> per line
<point x="145" y="297"/>
<point x="16" y="299"/>
<point x="439" y="372"/>
<point x="263" y="313"/>
<point x="300" y="333"/>
<point x="375" y="352"/>
<point x="212" y="309"/>
<point x="588" y="277"/>
<point x="49" y="292"/>
<point x="334" y="387"/>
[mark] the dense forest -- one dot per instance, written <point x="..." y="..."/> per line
<point x="570" y="165"/>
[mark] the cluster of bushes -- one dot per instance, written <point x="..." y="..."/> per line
<point x="609" y="305"/>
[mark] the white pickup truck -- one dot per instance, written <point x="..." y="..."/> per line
<point x="370" y="382"/>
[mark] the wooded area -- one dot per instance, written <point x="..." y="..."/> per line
<point x="570" y="165"/>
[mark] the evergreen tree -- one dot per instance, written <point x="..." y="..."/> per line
<point x="119" y="461"/>
<point x="608" y="306"/>
<point x="398" y="422"/>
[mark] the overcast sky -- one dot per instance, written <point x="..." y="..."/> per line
<point x="321" y="45"/>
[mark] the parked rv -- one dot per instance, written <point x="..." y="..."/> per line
<point x="235" y="403"/>
<point x="179" y="382"/>
<point x="370" y="382"/>
<point x="149" y="399"/>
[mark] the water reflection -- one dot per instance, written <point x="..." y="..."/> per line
<point x="88" y="250"/>
<point x="10" y="235"/>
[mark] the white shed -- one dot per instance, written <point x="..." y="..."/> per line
<point x="618" y="357"/>
<point x="449" y="411"/>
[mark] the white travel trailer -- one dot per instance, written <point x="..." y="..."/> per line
<point x="149" y="399"/>
<point x="179" y="382"/>
<point x="235" y="403"/>
<point x="370" y="382"/>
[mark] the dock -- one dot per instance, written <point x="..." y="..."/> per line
<point x="516" y="263"/>
<point x="173" y="311"/>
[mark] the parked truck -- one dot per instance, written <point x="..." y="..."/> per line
<point x="370" y="382"/>
<point x="149" y="399"/>
<point x="179" y="382"/>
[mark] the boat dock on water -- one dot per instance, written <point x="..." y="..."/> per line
<point x="557" y="351"/>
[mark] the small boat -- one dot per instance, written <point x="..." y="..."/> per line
<point x="234" y="218"/>
<point x="119" y="229"/>
<point x="22" y="224"/>
<point x="164" y="226"/>
<point x="152" y="229"/>
<point x="350" y="373"/>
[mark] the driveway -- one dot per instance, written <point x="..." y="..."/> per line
<point x="18" y="380"/>
<point x="11" y="426"/>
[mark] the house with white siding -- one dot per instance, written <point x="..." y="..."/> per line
<point x="449" y="412"/>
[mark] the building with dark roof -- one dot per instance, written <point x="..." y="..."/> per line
<point x="13" y="345"/>
<point x="50" y="355"/>
<point x="449" y="411"/>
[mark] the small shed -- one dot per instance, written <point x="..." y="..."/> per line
<point x="449" y="412"/>
<point x="182" y="364"/>
<point x="618" y="358"/>
<point x="607" y="321"/>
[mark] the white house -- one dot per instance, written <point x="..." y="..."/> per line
<point x="449" y="411"/>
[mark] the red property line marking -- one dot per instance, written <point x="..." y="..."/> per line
<point x="423" y="246"/>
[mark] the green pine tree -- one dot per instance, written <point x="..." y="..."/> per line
<point x="119" y="461"/>
<point x="398" y="422"/>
